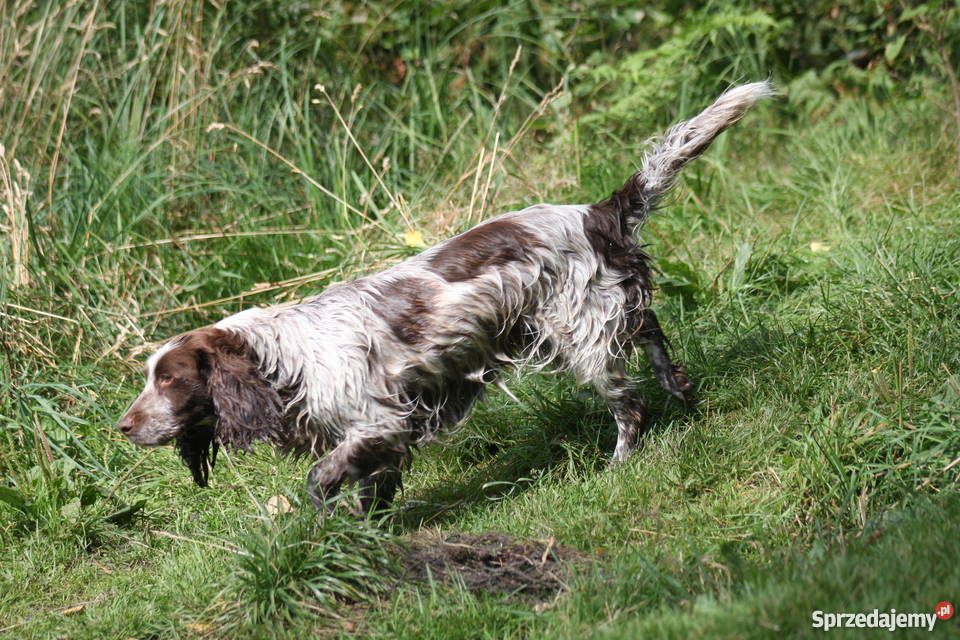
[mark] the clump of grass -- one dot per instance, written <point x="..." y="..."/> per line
<point x="299" y="564"/>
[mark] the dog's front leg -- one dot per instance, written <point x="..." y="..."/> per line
<point x="379" y="487"/>
<point x="326" y="478"/>
<point x="373" y="458"/>
<point x="377" y="490"/>
<point x="629" y="412"/>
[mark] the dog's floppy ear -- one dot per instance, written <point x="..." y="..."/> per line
<point x="248" y="408"/>
<point x="198" y="449"/>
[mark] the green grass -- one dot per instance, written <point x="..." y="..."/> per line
<point x="810" y="268"/>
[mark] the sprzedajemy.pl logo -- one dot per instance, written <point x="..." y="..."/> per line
<point x="876" y="619"/>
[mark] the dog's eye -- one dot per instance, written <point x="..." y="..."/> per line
<point x="164" y="379"/>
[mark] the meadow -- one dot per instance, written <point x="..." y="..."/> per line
<point x="165" y="164"/>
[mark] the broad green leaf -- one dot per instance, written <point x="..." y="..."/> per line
<point x="124" y="515"/>
<point x="71" y="510"/>
<point x="14" y="498"/>
<point x="892" y="50"/>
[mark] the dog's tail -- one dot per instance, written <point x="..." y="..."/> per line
<point x="678" y="146"/>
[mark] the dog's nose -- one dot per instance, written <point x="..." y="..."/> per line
<point x="126" y="424"/>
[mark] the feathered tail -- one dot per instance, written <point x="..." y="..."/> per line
<point x="678" y="146"/>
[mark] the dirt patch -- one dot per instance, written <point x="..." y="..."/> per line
<point x="489" y="561"/>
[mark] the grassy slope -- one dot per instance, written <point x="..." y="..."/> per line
<point x="826" y="404"/>
<point x="812" y="476"/>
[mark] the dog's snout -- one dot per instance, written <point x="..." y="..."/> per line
<point x="126" y="424"/>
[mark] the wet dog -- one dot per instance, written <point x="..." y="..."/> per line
<point x="361" y="372"/>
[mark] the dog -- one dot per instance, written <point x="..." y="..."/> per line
<point x="361" y="373"/>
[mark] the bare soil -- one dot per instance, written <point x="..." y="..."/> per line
<point x="489" y="562"/>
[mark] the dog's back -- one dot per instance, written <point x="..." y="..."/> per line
<point x="566" y="287"/>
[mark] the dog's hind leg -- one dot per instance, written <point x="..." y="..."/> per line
<point x="627" y="407"/>
<point x="671" y="376"/>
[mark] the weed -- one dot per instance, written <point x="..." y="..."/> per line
<point x="298" y="563"/>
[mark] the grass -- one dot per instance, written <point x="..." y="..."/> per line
<point x="809" y="280"/>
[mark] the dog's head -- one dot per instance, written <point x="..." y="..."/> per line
<point x="203" y="388"/>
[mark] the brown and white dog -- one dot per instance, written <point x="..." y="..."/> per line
<point x="368" y="368"/>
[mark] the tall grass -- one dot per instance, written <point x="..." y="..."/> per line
<point x="162" y="167"/>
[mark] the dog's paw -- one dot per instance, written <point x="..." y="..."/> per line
<point x="684" y="388"/>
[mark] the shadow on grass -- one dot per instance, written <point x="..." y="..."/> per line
<point x="563" y="431"/>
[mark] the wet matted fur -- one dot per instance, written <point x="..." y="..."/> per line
<point x="361" y="372"/>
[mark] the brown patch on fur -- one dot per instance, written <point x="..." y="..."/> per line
<point x="626" y="205"/>
<point x="218" y="396"/>
<point x="248" y="408"/>
<point x="608" y="232"/>
<point x="406" y="306"/>
<point x="185" y="388"/>
<point x="490" y="245"/>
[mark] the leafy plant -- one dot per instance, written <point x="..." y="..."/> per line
<point x="61" y="502"/>
<point x="716" y="46"/>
